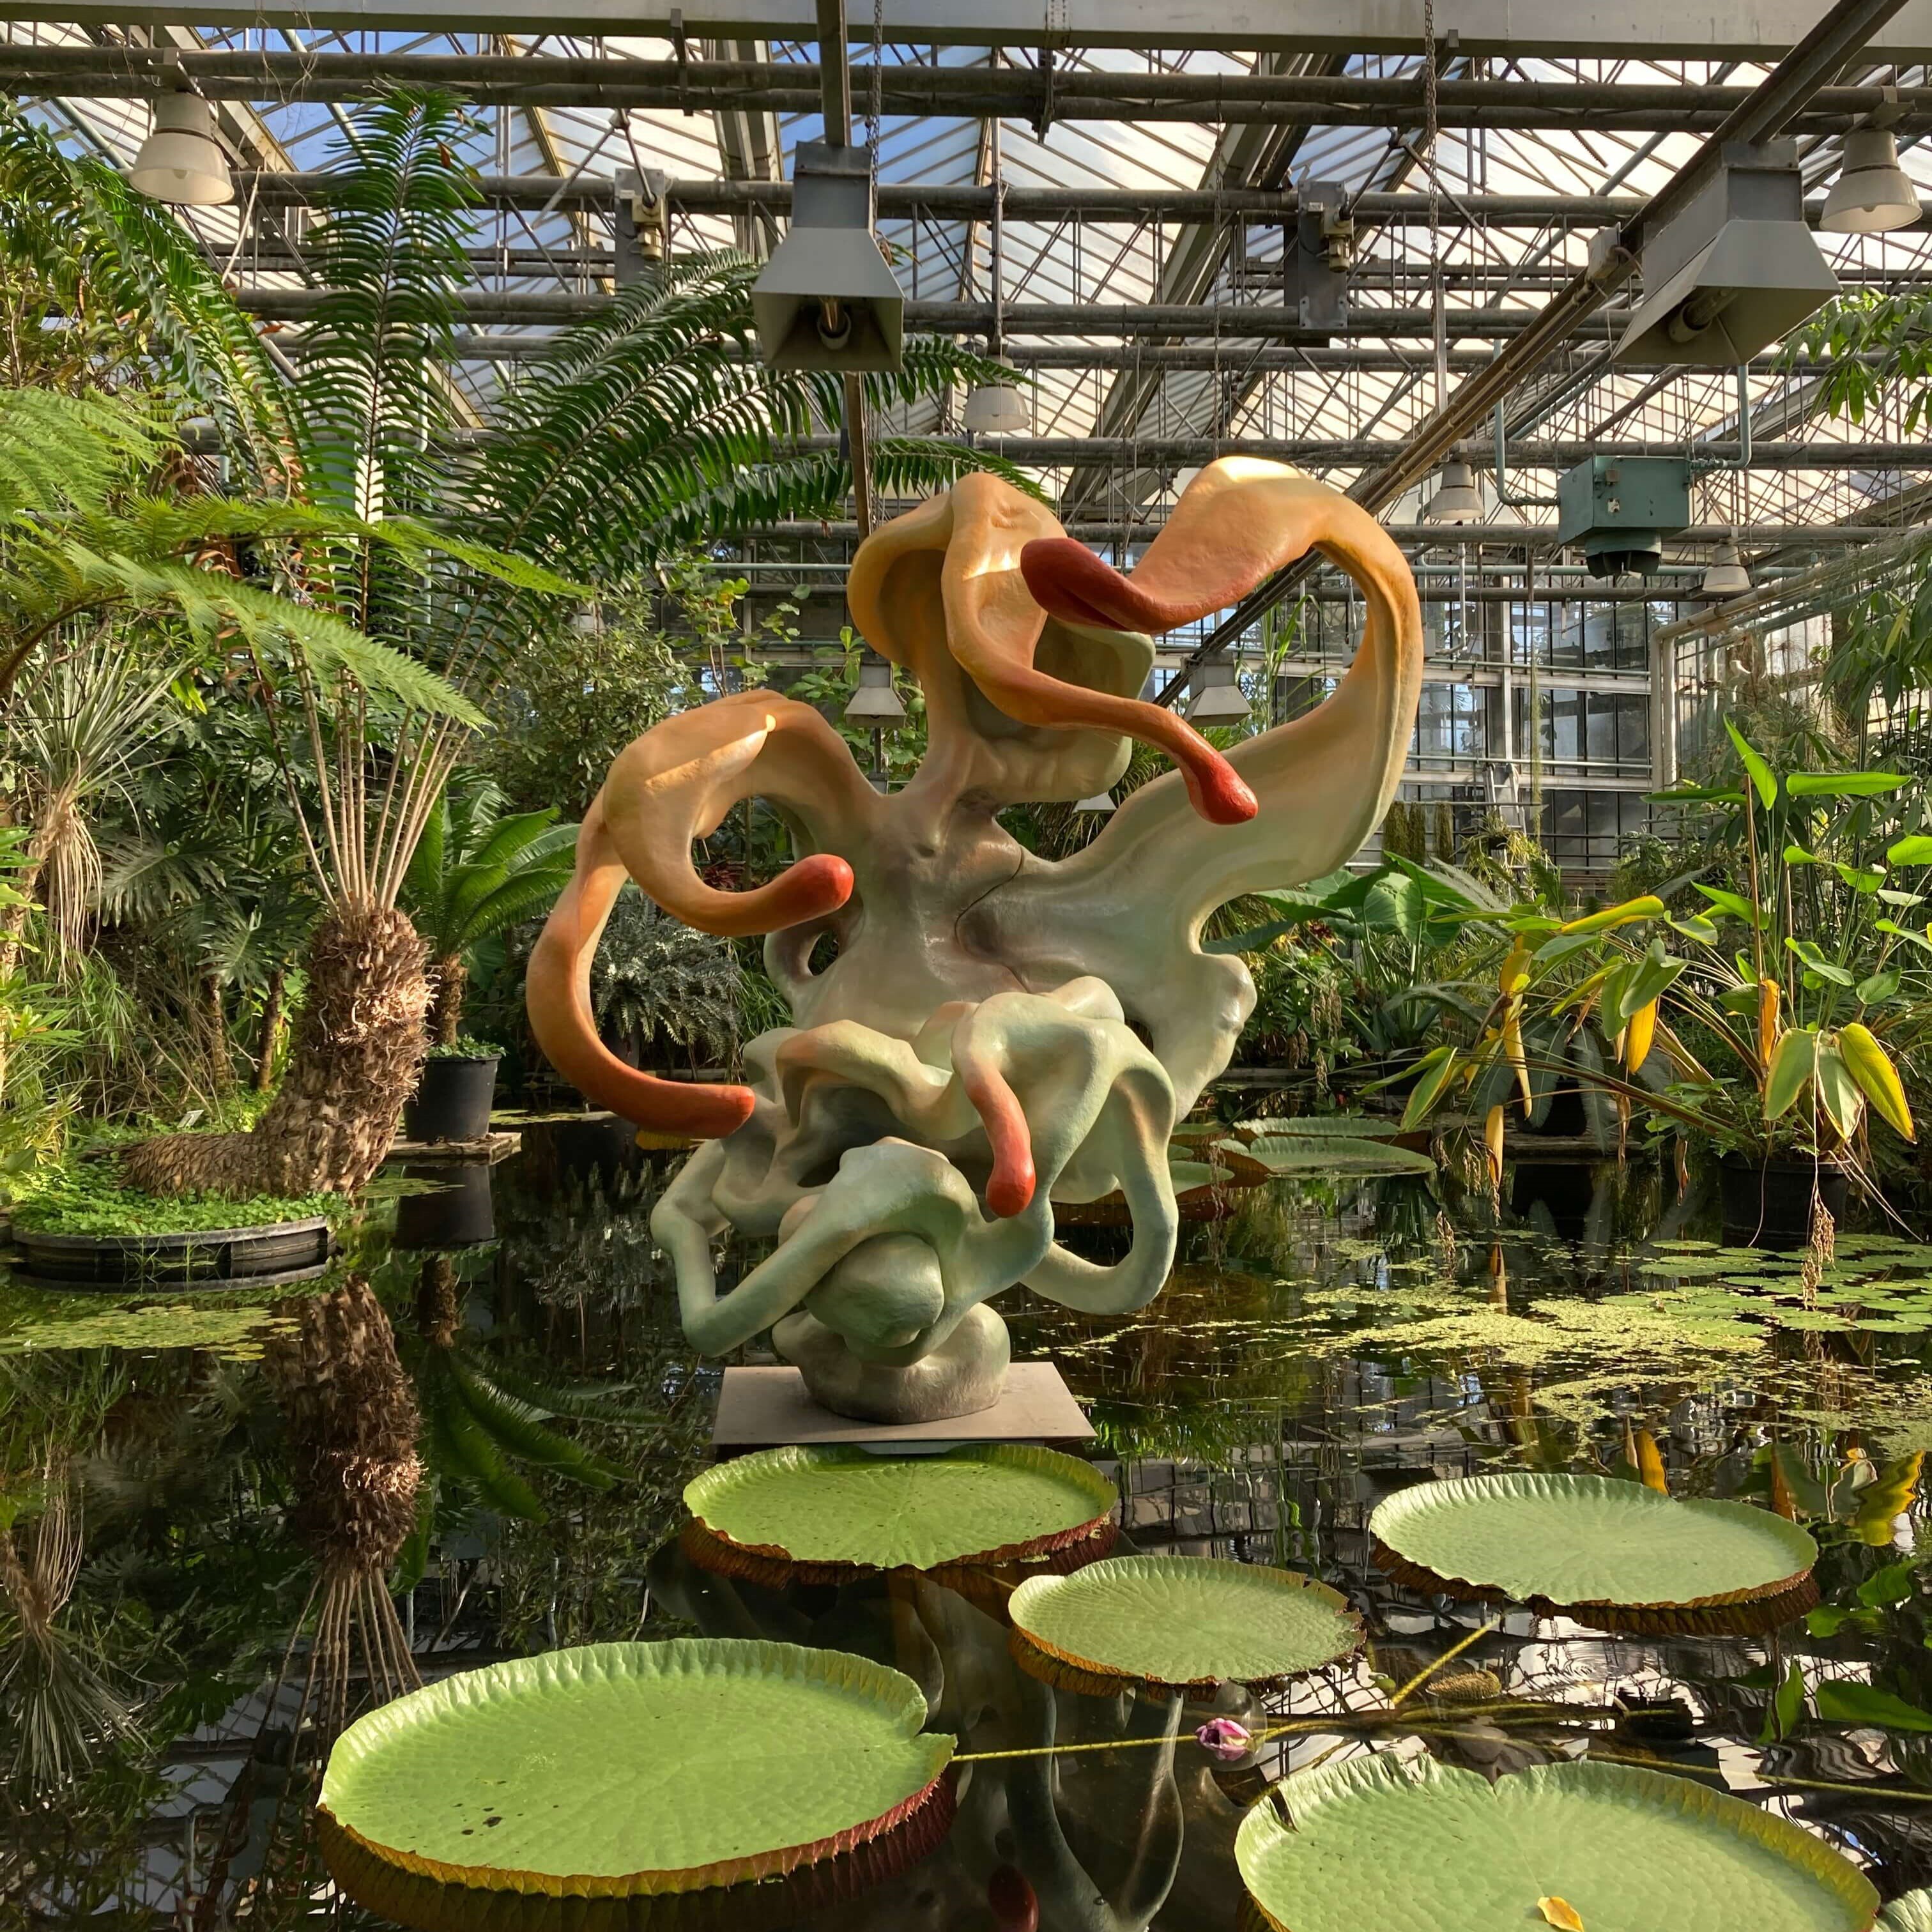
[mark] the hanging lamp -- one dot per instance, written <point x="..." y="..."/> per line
<point x="1218" y="698"/>
<point x="1873" y="194"/>
<point x="1725" y="575"/>
<point x="1456" y="500"/>
<point x="181" y="161"/>
<point x="875" y="703"/>
<point x="997" y="409"/>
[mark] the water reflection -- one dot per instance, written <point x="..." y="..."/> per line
<point x="231" y="1524"/>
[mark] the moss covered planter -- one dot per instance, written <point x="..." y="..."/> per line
<point x="452" y="1100"/>
<point x="278" y="1251"/>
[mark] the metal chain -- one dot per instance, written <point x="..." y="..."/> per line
<point x="1429" y="118"/>
<point x="878" y="82"/>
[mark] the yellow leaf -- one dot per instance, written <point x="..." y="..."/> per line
<point x="1513" y="1046"/>
<point x="1768" y="994"/>
<point x="1493" y="1139"/>
<point x="1637" y="1036"/>
<point x="1650" y="1463"/>
<point x="1646" y="907"/>
<point x="1514" y="974"/>
<point x="1870" y="1065"/>
<point x="1560" y="1912"/>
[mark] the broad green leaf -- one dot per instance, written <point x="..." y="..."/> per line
<point x="1764" y="780"/>
<point x="1176" y="1620"/>
<point x="1647" y="906"/>
<point x="1842" y="1702"/>
<point x="1860" y="878"/>
<point x="1786" y="1707"/>
<point x="1842" y="784"/>
<point x="1430" y="1088"/>
<point x="1735" y="904"/>
<point x="1838" y="1090"/>
<point x="1905" y="932"/>
<point x="1808" y="951"/>
<point x="1696" y="795"/>
<point x="1880" y="987"/>
<point x="1897" y="899"/>
<point x="1695" y="927"/>
<point x="1794" y="1061"/>
<point x="1894" y="1584"/>
<point x="1915" y="851"/>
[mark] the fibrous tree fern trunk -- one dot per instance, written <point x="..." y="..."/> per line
<point x="450" y="978"/>
<point x="358" y="1049"/>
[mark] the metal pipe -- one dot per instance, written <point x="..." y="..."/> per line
<point x="1348" y="99"/>
<point x="1503" y="496"/>
<point x="1445" y="536"/>
<point x="965" y="202"/>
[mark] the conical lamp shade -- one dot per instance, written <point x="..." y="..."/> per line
<point x="1873" y="194"/>
<point x="997" y="409"/>
<point x="181" y="163"/>
<point x="1725" y="576"/>
<point x="1456" y="500"/>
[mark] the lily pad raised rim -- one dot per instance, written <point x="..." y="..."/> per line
<point x="1391" y="1513"/>
<point x="1271" y="1819"/>
<point x="899" y="1698"/>
<point x="1032" y="1651"/>
<point x="707" y="1484"/>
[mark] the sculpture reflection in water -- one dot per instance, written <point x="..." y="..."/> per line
<point x="996" y="1032"/>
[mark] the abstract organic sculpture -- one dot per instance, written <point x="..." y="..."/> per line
<point x="996" y="1032"/>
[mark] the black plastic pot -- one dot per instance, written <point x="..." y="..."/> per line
<point x="460" y="1212"/>
<point x="452" y="1100"/>
<point x="210" y="1257"/>
<point x="1767" y="1204"/>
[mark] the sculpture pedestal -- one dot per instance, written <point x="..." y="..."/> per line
<point x="760" y="1408"/>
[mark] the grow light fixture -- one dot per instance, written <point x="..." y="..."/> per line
<point x="1456" y="500"/>
<point x="997" y="409"/>
<point x="875" y="703"/>
<point x="1734" y="272"/>
<point x="1873" y="194"/>
<point x="181" y="162"/>
<point x="1618" y="510"/>
<point x="1218" y="698"/>
<point x="827" y="299"/>
<point x="1725" y="575"/>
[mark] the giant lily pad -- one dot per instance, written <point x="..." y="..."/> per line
<point x="1180" y="1620"/>
<point x="1384" y="1841"/>
<point x="631" y="1772"/>
<point x="988" y="1503"/>
<point x="1910" y="1912"/>
<point x="1588" y="1542"/>
<point x="1335" y="1153"/>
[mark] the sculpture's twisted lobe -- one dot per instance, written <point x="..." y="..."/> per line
<point x="996" y="1032"/>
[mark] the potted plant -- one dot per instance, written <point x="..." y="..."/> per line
<point x="475" y="873"/>
<point x="1779" y="1014"/>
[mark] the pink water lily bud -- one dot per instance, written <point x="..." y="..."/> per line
<point x="1223" y="1738"/>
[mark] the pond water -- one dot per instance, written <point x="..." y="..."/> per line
<point x="186" y="1478"/>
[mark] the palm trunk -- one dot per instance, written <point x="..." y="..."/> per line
<point x="358" y="1050"/>
<point x="450" y="977"/>
<point x="275" y="1017"/>
<point x="221" y="1059"/>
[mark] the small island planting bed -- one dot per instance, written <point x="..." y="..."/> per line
<point x="81" y="1228"/>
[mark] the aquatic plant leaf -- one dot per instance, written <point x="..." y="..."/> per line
<point x="1326" y="1126"/>
<point x="635" y="1768"/>
<point x="1840" y="1702"/>
<point x="1378" y="1841"/>
<point x="1186" y="1619"/>
<point x="1572" y="1540"/>
<point x="1910" y="1912"/>
<point x="1281" y="1153"/>
<point x="844" y="1505"/>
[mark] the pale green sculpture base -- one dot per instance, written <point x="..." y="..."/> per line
<point x="962" y="1376"/>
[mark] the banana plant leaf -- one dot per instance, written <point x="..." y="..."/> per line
<point x="1570" y="1539"/>
<point x="631" y="1769"/>
<point x="1186" y="1620"/>
<point x="987" y="1502"/>
<point x="1387" y="1841"/>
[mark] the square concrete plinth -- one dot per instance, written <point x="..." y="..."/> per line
<point x="758" y="1409"/>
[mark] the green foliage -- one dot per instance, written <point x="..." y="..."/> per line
<point x="1865" y="346"/>
<point x="476" y="873"/>
<point x="465" y="1046"/>
<point x="656" y="978"/>
<point x="83" y="1197"/>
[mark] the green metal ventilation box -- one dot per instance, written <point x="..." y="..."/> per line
<point x="1620" y="508"/>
